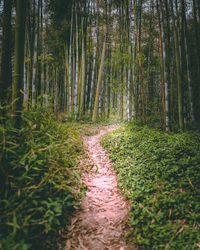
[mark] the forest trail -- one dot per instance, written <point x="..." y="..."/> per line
<point x="99" y="225"/>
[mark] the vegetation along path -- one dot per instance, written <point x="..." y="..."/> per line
<point x="100" y="222"/>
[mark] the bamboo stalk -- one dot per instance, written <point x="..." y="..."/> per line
<point x="94" y="116"/>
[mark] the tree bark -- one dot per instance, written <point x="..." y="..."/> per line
<point x="178" y="72"/>
<point x="6" y="67"/>
<point x="94" y="116"/>
<point x="161" y="64"/>
<point x="140" y="62"/>
<point x="18" y="84"/>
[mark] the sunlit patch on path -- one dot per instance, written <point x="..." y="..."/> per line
<point x="100" y="223"/>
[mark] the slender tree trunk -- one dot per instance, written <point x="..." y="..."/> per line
<point x="86" y="10"/>
<point x="122" y="97"/>
<point x="93" y="69"/>
<point x="177" y="59"/>
<point x="31" y="38"/>
<point x="162" y="65"/>
<point x="109" y="58"/>
<point x="42" y="53"/>
<point x="95" y="110"/>
<point x="18" y="84"/>
<point x="89" y="70"/>
<point x="109" y="83"/>
<point x="77" y="61"/>
<point x="82" y="78"/>
<point x="80" y="87"/>
<point x="66" y="79"/>
<point x="122" y="33"/>
<point x="5" y="84"/>
<point x="168" y="60"/>
<point x="6" y="67"/>
<point x="189" y="84"/>
<point x="185" y="66"/>
<point x="140" y="62"/>
<point x="73" y="77"/>
<point x="197" y="71"/>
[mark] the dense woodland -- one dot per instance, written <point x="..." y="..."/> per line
<point x="144" y="55"/>
<point x="88" y="60"/>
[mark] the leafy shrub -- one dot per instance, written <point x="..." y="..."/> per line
<point x="160" y="174"/>
<point x="42" y="181"/>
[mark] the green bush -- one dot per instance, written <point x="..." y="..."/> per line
<point x="42" y="180"/>
<point x="160" y="174"/>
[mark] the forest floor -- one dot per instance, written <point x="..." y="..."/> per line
<point x="100" y="223"/>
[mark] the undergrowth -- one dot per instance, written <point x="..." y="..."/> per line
<point x="39" y="163"/>
<point x="160" y="174"/>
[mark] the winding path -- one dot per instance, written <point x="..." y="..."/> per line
<point x="99" y="225"/>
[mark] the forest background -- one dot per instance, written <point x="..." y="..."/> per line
<point x="89" y="59"/>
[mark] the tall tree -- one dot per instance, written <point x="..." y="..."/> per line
<point x="178" y="70"/>
<point x="6" y="66"/>
<point x="96" y="103"/>
<point x="137" y="33"/>
<point x="161" y="64"/>
<point x="197" y="66"/>
<point x="18" y="84"/>
<point x="5" y="81"/>
<point x="31" y="20"/>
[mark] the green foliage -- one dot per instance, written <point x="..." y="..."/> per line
<point x="160" y="175"/>
<point x="46" y="58"/>
<point x="42" y="180"/>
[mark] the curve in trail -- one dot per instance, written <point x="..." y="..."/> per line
<point x="99" y="225"/>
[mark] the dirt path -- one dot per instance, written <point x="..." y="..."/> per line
<point x="99" y="225"/>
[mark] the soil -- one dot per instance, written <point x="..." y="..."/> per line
<point x="100" y="224"/>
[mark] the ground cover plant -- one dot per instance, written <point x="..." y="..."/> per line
<point x="159" y="172"/>
<point x="43" y="185"/>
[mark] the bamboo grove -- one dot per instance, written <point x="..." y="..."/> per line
<point x="139" y="59"/>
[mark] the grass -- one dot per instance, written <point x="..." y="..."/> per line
<point x="160" y="174"/>
<point x="40" y="163"/>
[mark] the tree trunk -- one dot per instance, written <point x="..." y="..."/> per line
<point x="31" y="38"/>
<point x="162" y="65"/>
<point x="6" y="67"/>
<point x="140" y="62"/>
<point x="197" y="50"/>
<point x="94" y="116"/>
<point x="73" y="77"/>
<point x="178" y="73"/>
<point x="66" y="80"/>
<point x="18" y="84"/>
